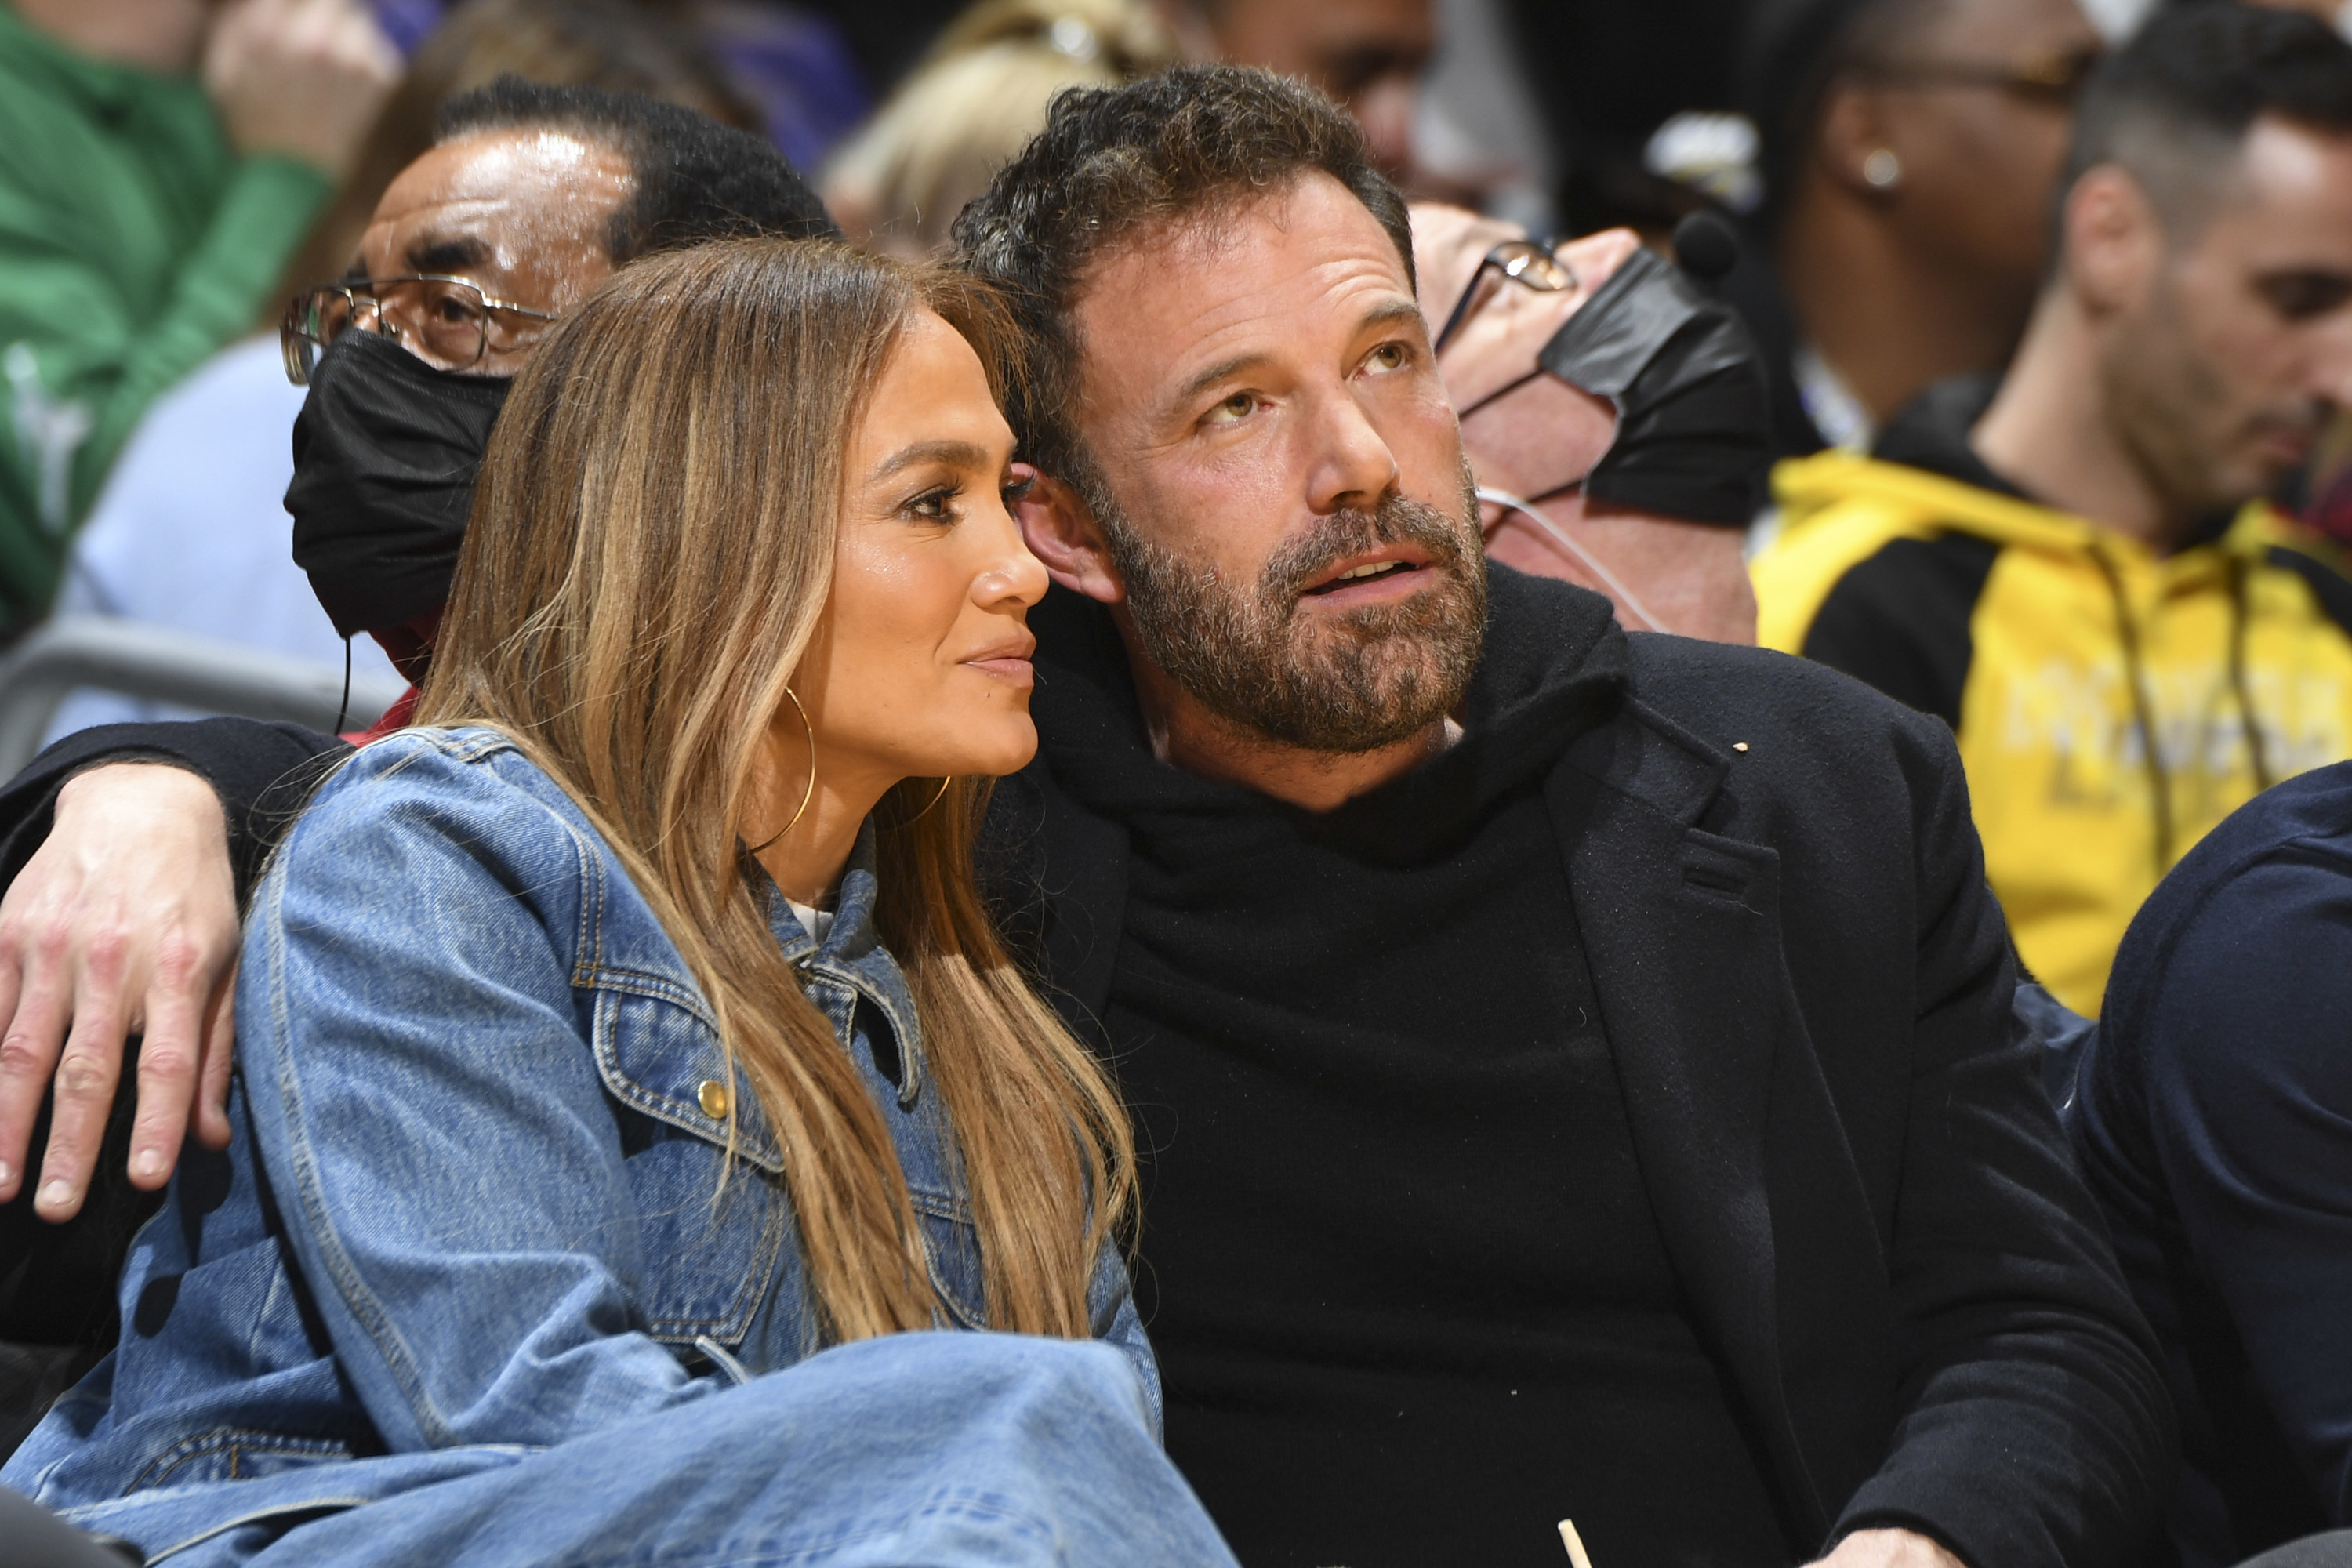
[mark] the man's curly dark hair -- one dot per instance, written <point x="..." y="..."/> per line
<point x="1179" y="148"/>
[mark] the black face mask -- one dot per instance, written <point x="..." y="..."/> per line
<point x="385" y="451"/>
<point x="1693" y="416"/>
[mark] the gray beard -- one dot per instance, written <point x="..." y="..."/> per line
<point x="1346" y="683"/>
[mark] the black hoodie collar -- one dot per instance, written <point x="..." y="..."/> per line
<point x="1932" y="432"/>
<point x="1553" y="665"/>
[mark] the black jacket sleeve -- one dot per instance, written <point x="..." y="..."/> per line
<point x="262" y="772"/>
<point x="2035" y="1427"/>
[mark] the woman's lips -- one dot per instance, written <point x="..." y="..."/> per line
<point x="1006" y="667"/>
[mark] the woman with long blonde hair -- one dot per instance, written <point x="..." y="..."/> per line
<point x="628" y="1065"/>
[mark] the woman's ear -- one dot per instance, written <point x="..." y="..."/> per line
<point x="1061" y="531"/>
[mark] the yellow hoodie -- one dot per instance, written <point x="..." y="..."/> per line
<point x="2058" y="650"/>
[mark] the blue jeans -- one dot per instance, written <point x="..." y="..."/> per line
<point x="926" y="1448"/>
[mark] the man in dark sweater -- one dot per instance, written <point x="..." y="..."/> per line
<point x="1576" y="1072"/>
<point x="2214" y="1122"/>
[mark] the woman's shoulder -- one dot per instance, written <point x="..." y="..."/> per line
<point x="472" y="767"/>
<point x="468" y="794"/>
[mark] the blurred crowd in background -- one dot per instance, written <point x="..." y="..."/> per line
<point x="171" y="171"/>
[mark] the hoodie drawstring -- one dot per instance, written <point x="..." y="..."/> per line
<point x="2241" y="620"/>
<point x="2159" y="784"/>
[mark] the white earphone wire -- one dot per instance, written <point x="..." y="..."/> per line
<point x="1558" y="535"/>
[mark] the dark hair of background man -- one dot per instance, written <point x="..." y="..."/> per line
<point x="2172" y="106"/>
<point x="1169" y="150"/>
<point x="1793" y="50"/>
<point x="696" y="179"/>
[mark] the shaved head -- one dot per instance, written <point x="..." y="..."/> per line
<point x="2173" y="108"/>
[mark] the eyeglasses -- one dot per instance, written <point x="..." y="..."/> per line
<point x="2053" y="76"/>
<point x="448" y="323"/>
<point x="1524" y="262"/>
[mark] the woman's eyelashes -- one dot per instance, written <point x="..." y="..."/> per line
<point x="935" y="505"/>
<point x="1016" y="490"/>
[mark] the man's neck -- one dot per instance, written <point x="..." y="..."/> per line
<point x="2049" y="432"/>
<point x="161" y="37"/>
<point x="1187" y="735"/>
<point x="1887" y="322"/>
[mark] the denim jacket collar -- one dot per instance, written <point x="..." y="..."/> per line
<point x="850" y="961"/>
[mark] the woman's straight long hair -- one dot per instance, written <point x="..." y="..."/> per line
<point x="651" y="546"/>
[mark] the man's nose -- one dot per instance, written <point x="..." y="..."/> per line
<point x="2330" y="377"/>
<point x="1353" y="465"/>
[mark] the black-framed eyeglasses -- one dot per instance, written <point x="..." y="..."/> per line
<point x="2053" y="76"/>
<point x="448" y="323"/>
<point x="1522" y="261"/>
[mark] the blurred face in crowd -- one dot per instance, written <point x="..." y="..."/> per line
<point x="2225" y="337"/>
<point x="521" y="214"/>
<point x="1973" y="101"/>
<point x="1290" y="533"/>
<point x="1368" y="54"/>
<point x="920" y="666"/>
<point x="524" y="214"/>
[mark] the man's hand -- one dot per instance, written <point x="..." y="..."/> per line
<point x="1888" y="1549"/>
<point x="303" y="79"/>
<point x="123" y="922"/>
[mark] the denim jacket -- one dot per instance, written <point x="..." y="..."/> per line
<point x="473" y="1204"/>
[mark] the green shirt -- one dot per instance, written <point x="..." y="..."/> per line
<point x="133" y="242"/>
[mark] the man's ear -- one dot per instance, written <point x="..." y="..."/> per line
<point x="1855" y="126"/>
<point x="1062" y="533"/>
<point x="2114" y="239"/>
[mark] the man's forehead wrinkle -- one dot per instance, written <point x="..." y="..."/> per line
<point x="1203" y="230"/>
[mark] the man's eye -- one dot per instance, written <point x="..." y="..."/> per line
<point x="2300" y="296"/>
<point x="1238" y="406"/>
<point x="1388" y="356"/>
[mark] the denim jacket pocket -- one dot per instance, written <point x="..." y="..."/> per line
<point x="657" y="1052"/>
<point x="711" y="1249"/>
<point x="951" y="1249"/>
<point x="237" y="1456"/>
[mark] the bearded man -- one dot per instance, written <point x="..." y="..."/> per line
<point x="1575" y="1071"/>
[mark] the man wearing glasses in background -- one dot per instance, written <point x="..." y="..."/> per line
<point x="1908" y="151"/>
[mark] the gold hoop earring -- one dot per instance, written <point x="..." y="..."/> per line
<point x="806" y="794"/>
<point x="935" y="800"/>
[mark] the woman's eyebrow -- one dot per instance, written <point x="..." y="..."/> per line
<point x="950" y="454"/>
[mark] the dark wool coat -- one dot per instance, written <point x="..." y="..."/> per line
<point x="1806" y="988"/>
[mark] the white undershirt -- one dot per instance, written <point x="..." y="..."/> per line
<point x="816" y="922"/>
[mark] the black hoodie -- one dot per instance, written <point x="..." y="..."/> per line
<point x="1397" y="1246"/>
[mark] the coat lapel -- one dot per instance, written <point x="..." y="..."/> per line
<point x="1681" y="929"/>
